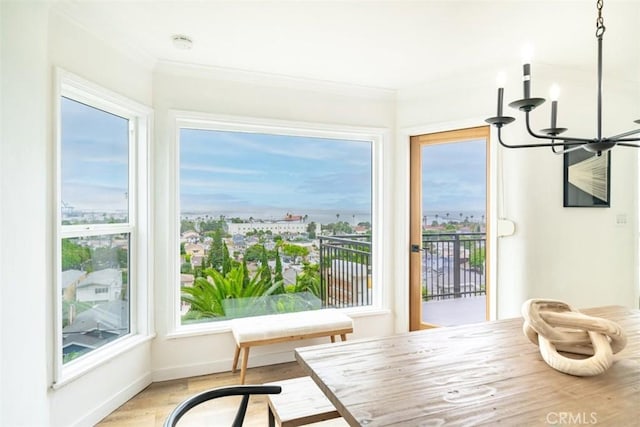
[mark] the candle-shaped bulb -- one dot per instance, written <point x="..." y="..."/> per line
<point x="527" y="54"/>
<point x="501" y="79"/>
<point x="554" y="92"/>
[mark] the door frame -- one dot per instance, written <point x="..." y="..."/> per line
<point x="415" y="214"/>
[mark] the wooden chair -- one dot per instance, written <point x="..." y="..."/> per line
<point x="241" y="390"/>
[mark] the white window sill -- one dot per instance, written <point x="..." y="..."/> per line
<point x="77" y="368"/>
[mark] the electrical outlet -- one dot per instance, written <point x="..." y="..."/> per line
<point x="621" y="220"/>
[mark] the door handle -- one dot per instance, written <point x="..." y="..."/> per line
<point x="415" y="248"/>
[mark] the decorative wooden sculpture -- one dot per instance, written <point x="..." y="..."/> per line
<point x="554" y="326"/>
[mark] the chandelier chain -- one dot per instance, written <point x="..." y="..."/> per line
<point x="600" y="28"/>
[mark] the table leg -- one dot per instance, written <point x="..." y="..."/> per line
<point x="343" y="337"/>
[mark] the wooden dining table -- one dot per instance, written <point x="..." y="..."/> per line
<point x="480" y="374"/>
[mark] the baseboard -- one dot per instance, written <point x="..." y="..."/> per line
<point x="192" y="370"/>
<point x="115" y="401"/>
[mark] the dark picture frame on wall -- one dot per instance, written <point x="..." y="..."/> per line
<point x="587" y="179"/>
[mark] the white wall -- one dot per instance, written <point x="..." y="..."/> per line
<point x="578" y="255"/>
<point x="208" y="91"/>
<point x="24" y="226"/>
<point x="80" y="402"/>
<point x="33" y="42"/>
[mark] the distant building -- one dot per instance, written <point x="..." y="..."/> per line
<point x="190" y="236"/>
<point x="274" y="227"/>
<point x="194" y="249"/>
<point x="101" y="285"/>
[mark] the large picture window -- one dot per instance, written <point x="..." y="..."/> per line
<point x="273" y="221"/>
<point x="101" y="209"/>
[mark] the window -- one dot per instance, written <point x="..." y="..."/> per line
<point x="273" y="218"/>
<point x="100" y="221"/>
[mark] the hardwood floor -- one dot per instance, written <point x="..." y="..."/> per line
<point x="150" y="407"/>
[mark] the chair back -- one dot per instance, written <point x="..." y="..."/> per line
<point x="240" y="390"/>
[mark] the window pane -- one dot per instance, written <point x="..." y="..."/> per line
<point x="272" y="223"/>
<point x="95" y="165"/>
<point x="95" y="292"/>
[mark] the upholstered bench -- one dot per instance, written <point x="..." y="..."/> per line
<point x="274" y="328"/>
<point x="301" y="402"/>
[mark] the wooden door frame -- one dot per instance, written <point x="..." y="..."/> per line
<point x="415" y="223"/>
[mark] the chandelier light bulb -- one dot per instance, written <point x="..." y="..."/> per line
<point x="501" y="79"/>
<point x="554" y="92"/>
<point x="526" y="54"/>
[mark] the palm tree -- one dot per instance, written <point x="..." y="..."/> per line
<point x="437" y="219"/>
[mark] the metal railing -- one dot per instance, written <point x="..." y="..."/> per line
<point x="453" y="265"/>
<point x="345" y="270"/>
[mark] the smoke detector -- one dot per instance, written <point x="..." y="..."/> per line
<point x="182" y="42"/>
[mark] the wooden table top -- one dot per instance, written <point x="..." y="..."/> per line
<point x="481" y="374"/>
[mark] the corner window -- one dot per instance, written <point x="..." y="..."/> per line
<point x="101" y="216"/>
<point x="273" y="219"/>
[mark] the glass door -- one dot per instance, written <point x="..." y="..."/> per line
<point x="449" y="234"/>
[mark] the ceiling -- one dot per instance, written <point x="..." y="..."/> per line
<point x="382" y="44"/>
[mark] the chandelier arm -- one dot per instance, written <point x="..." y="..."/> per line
<point x="626" y="144"/>
<point x="567" y="139"/>
<point x="546" y="144"/>
<point x="620" y="136"/>
<point x="568" y="150"/>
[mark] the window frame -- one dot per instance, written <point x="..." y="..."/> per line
<point x="138" y="225"/>
<point x="377" y="136"/>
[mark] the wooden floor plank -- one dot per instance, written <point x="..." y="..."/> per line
<point x="150" y="407"/>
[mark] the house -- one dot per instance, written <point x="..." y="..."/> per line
<point x="100" y="285"/>
<point x="395" y="69"/>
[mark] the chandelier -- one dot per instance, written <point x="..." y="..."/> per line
<point x="563" y="144"/>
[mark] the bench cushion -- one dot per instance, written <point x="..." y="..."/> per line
<point x="264" y="328"/>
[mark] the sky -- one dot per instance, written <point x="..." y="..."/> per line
<point x="95" y="157"/>
<point x="257" y="175"/>
<point x="454" y="177"/>
<point x="272" y="175"/>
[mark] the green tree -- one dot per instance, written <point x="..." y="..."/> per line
<point x="311" y="229"/>
<point x="215" y="257"/>
<point x="253" y="253"/>
<point x="74" y="256"/>
<point x="265" y="270"/>
<point x="277" y="277"/>
<point x="292" y="250"/>
<point x="226" y="259"/>
<point x="308" y="280"/>
<point x="477" y="259"/>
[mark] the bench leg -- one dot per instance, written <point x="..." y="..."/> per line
<point x="245" y="360"/>
<point x="236" y="356"/>
<point x="333" y="338"/>
<point x="272" y="420"/>
<point x="343" y="337"/>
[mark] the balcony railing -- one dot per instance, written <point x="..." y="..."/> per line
<point x="345" y="270"/>
<point x="453" y="265"/>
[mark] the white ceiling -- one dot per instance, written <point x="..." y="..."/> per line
<point x="383" y="44"/>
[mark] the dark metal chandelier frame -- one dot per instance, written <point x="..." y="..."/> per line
<point x="560" y="145"/>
